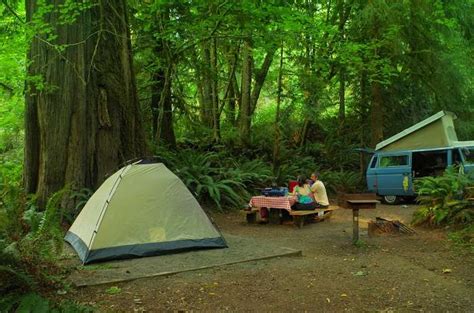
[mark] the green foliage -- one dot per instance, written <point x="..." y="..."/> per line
<point x="291" y="167"/>
<point x="341" y="181"/>
<point x="30" y="244"/>
<point x="80" y="198"/>
<point x="33" y="302"/>
<point x="113" y="290"/>
<point x="217" y="177"/>
<point x="463" y="239"/>
<point x="441" y="199"/>
<point x="12" y="75"/>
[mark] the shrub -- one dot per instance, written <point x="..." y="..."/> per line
<point x="463" y="238"/>
<point x="292" y="166"/>
<point x="441" y="199"/>
<point x="341" y="181"/>
<point x="216" y="177"/>
<point x="30" y="243"/>
<point x="80" y="199"/>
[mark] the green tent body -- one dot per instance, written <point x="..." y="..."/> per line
<point x="141" y="210"/>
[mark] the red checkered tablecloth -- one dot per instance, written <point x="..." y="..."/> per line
<point x="272" y="202"/>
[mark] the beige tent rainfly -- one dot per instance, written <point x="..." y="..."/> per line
<point x="437" y="131"/>
<point x="141" y="210"/>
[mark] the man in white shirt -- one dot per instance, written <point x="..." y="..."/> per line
<point x="319" y="191"/>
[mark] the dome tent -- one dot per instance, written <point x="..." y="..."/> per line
<point x="141" y="210"/>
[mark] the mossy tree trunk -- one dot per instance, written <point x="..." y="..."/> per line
<point x="84" y="121"/>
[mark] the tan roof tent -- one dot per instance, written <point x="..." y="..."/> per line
<point x="434" y="132"/>
<point x="141" y="210"/>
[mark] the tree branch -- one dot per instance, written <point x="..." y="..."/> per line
<point x="9" y="89"/>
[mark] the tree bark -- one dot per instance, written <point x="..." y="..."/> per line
<point x="342" y="72"/>
<point x="376" y="114"/>
<point x="86" y="121"/>
<point x="342" y="97"/>
<point x="165" y="130"/>
<point x="260" y="77"/>
<point x="364" y="107"/>
<point x="276" y="147"/>
<point x="214" y="92"/>
<point x="230" y="94"/>
<point x="245" y="103"/>
<point x="206" y="85"/>
<point x="161" y="100"/>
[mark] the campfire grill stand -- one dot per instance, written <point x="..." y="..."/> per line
<point x="356" y="202"/>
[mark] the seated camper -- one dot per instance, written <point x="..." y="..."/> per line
<point x="304" y="196"/>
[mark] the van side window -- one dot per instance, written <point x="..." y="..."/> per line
<point x="393" y="160"/>
<point x="430" y="163"/>
<point x="374" y="162"/>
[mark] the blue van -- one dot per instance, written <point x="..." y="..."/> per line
<point x="390" y="174"/>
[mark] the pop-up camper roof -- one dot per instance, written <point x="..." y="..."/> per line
<point x="434" y="132"/>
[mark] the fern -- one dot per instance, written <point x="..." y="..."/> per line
<point x="29" y="248"/>
<point x="441" y="200"/>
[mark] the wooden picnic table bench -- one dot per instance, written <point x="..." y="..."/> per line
<point x="317" y="215"/>
<point x="299" y="217"/>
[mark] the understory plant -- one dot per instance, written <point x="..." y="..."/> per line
<point x="217" y="177"/>
<point x="463" y="238"/>
<point x="31" y="241"/>
<point x="441" y="199"/>
<point x="341" y="181"/>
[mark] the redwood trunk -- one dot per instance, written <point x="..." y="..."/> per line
<point x="86" y="121"/>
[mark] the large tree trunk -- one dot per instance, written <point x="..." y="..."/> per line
<point x="85" y="121"/>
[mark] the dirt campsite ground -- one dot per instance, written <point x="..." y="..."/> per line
<point x="385" y="274"/>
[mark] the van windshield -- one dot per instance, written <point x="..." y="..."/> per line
<point x="468" y="154"/>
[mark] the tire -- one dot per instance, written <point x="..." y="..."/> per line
<point x="391" y="200"/>
<point x="409" y="199"/>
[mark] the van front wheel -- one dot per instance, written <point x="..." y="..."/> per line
<point x="391" y="199"/>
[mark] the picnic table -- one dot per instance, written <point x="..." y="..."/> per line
<point x="273" y="208"/>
